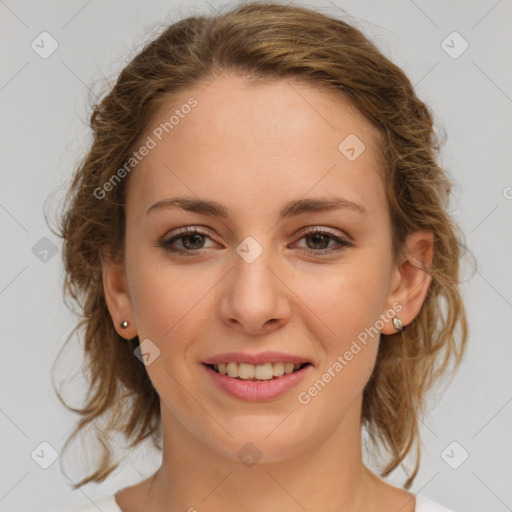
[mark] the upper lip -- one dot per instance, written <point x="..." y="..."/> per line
<point x="255" y="359"/>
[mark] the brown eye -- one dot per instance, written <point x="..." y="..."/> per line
<point x="190" y="241"/>
<point x="318" y="240"/>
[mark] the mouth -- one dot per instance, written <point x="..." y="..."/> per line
<point x="257" y="382"/>
<point x="256" y="373"/>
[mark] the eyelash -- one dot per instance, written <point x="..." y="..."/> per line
<point x="188" y="231"/>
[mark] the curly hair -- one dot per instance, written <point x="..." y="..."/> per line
<point x="266" y="41"/>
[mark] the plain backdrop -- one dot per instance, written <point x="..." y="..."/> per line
<point x="465" y="77"/>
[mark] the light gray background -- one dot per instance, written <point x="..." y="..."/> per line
<point x="44" y="104"/>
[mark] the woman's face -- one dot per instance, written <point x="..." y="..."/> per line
<point x="260" y="278"/>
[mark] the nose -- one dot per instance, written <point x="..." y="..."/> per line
<point x="255" y="299"/>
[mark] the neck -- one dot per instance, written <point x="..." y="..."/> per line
<point x="326" y="475"/>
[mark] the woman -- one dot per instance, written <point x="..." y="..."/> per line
<point x="260" y="243"/>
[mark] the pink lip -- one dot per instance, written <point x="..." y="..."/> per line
<point x="255" y="359"/>
<point x="254" y="391"/>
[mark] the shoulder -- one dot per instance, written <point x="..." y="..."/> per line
<point x="424" y="504"/>
<point x="106" y="504"/>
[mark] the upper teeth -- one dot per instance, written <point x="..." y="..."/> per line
<point x="261" y="371"/>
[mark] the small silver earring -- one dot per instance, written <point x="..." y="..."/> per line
<point x="399" y="325"/>
<point x="124" y="324"/>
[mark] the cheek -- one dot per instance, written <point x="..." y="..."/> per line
<point x="346" y="329"/>
<point x="169" y="299"/>
<point x="343" y="311"/>
<point x="171" y="306"/>
<point x="346" y="299"/>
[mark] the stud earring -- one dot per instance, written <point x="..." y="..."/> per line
<point x="399" y="325"/>
<point x="124" y="324"/>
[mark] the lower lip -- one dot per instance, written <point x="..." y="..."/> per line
<point x="253" y="391"/>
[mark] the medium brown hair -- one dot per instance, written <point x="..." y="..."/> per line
<point x="266" y="41"/>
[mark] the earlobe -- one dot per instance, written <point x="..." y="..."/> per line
<point x="118" y="299"/>
<point x="411" y="279"/>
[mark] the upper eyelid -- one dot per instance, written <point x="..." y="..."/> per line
<point x="329" y="231"/>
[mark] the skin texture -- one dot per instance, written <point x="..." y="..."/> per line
<point x="253" y="148"/>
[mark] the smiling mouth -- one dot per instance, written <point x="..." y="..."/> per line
<point x="256" y="373"/>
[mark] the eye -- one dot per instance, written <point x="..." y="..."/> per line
<point x="192" y="242"/>
<point x="318" y="240"/>
<point x="190" y="239"/>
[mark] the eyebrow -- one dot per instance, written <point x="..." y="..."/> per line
<point x="290" y="209"/>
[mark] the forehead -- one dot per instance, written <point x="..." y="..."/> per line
<point x="272" y="142"/>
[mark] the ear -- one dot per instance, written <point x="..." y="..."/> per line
<point x="117" y="297"/>
<point x="409" y="282"/>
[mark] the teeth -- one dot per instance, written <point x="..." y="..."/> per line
<point x="232" y="369"/>
<point x="246" y="371"/>
<point x="265" y="371"/>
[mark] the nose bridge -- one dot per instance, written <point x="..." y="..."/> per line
<point x="254" y="294"/>
<point x="252" y="275"/>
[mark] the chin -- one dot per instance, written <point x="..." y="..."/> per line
<point x="250" y="446"/>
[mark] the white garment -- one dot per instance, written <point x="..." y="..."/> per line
<point x="109" y="504"/>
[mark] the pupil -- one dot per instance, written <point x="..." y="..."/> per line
<point x="196" y="237"/>
<point x="319" y="236"/>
